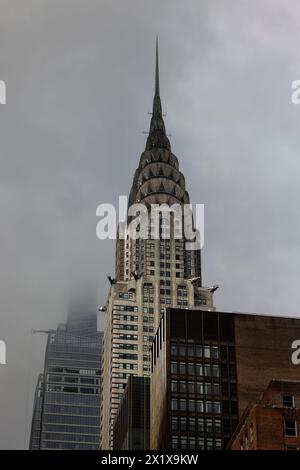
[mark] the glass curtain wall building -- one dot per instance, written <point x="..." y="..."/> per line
<point x="67" y="400"/>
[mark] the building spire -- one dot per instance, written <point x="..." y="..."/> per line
<point x="157" y="134"/>
<point x="156" y="70"/>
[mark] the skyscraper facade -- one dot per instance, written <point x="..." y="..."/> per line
<point x="132" y="423"/>
<point x="67" y="400"/>
<point x="209" y="367"/>
<point x="152" y="272"/>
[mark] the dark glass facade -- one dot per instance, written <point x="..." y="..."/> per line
<point x="67" y="401"/>
<point x="203" y="394"/>
<point x="132" y="423"/>
<point x="193" y="381"/>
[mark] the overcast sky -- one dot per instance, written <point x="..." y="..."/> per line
<point x="80" y="79"/>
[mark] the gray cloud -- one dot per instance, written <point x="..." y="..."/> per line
<point x="80" y="82"/>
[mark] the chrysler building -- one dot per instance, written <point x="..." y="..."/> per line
<point x="151" y="274"/>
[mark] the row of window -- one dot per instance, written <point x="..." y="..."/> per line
<point x="192" y="443"/>
<point x="78" y="410"/>
<point x="194" y="368"/>
<point x="71" y="429"/>
<point x="125" y="366"/>
<point x="125" y="308"/>
<point x="55" y="397"/>
<point x="148" y="309"/>
<point x="125" y="356"/>
<point x="72" y="389"/>
<point x="125" y="336"/>
<point x="73" y="379"/>
<point x="68" y="445"/>
<point x="126" y="317"/>
<point x="196" y="425"/>
<point x="67" y="370"/>
<point x="207" y="388"/>
<point x="122" y="326"/>
<point x="200" y="406"/>
<point x="120" y="375"/>
<point x="148" y="320"/>
<point x="195" y="350"/>
<point x="126" y="295"/>
<point x="128" y="346"/>
<point x="70" y="437"/>
<point x="71" y="419"/>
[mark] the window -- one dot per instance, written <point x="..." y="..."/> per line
<point x="215" y="371"/>
<point x="209" y="425"/>
<point x="174" y="386"/>
<point x="215" y="352"/>
<point x="182" y="405"/>
<point x="218" y="428"/>
<point x="288" y="400"/>
<point x="209" y="407"/>
<point x="200" y="406"/>
<point x="174" y="423"/>
<point x="217" y="407"/>
<point x="148" y="320"/>
<point x="192" y="424"/>
<point x="192" y="442"/>
<point x="175" y="442"/>
<point x="290" y="428"/>
<point x="174" y="405"/>
<point x="201" y="443"/>
<point x="199" y="387"/>
<point x="209" y="444"/>
<point x="216" y="389"/>
<point x="148" y="329"/>
<point x="183" y="442"/>
<point x="200" y="423"/>
<point x="192" y="405"/>
<point x="218" y="444"/>
<point x="251" y="433"/>
<point x="199" y="370"/>
<point x="183" y="423"/>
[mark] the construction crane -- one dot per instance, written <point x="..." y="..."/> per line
<point x="43" y="331"/>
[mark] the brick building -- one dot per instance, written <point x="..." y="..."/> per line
<point x="273" y="423"/>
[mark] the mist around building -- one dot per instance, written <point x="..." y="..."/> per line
<point x="169" y="371"/>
